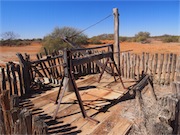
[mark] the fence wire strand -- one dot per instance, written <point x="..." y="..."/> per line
<point x="91" y="26"/>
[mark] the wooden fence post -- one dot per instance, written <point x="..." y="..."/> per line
<point x="4" y="102"/>
<point x="116" y="37"/>
<point x="143" y="61"/>
<point x="155" y="67"/>
<point x="174" y="66"/>
<point x="160" y="68"/>
<point x="25" y="71"/>
<point x="167" y="82"/>
<point x="178" y="69"/>
<point x="66" y="56"/>
<point x="3" y="81"/>
<point x="2" y="124"/>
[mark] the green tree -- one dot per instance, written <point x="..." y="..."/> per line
<point x="142" y="36"/>
<point x="54" y="40"/>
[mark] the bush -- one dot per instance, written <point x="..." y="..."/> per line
<point x="168" y="39"/>
<point x="54" y="40"/>
<point x="123" y="39"/>
<point x="95" y="40"/>
<point x="15" y="42"/>
<point x="142" y="36"/>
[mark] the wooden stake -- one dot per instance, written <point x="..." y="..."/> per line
<point x="116" y="37"/>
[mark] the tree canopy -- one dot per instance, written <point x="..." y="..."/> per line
<point x="54" y="41"/>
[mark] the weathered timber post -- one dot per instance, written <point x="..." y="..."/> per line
<point x="25" y="73"/>
<point x="116" y="37"/>
<point x="66" y="56"/>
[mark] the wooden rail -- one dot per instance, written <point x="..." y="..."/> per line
<point x="163" y="67"/>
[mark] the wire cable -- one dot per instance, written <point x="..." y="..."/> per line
<point x="90" y="26"/>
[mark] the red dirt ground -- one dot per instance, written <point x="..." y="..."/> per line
<point x="9" y="53"/>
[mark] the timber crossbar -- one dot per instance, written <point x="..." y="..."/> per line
<point x="137" y="88"/>
<point x="92" y="48"/>
<point x="90" y="58"/>
<point x="87" y="58"/>
<point x="45" y="59"/>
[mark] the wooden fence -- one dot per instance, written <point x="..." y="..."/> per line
<point x="163" y="67"/>
<point x="21" y="78"/>
<point x="12" y="80"/>
<point x="16" y="120"/>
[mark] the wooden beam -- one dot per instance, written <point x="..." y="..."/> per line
<point x="116" y="37"/>
<point x="92" y="58"/>
<point x="92" y="48"/>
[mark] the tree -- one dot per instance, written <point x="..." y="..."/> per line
<point x="54" y="40"/>
<point x="142" y="36"/>
<point x="9" y="35"/>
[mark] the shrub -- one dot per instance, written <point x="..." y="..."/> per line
<point x="142" y="36"/>
<point x="54" y="40"/>
<point x="123" y="39"/>
<point x="168" y="39"/>
<point x="95" y="40"/>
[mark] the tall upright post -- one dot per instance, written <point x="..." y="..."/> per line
<point x="116" y="37"/>
<point x="66" y="80"/>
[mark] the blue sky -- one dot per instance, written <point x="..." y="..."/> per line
<point x="35" y="19"/>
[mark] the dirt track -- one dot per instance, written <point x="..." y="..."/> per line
<point x="9" y="53"/>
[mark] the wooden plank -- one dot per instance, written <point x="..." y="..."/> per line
<point x="178" y="69"/>
<point x="4" y="102"/>
<point x="12" y="67"/>
<point x="106" y="126"/>
<point x="143" y="61"/>
<point x="25" y="70"/>
<point x="173" y="67"/>
<point x="20" y="80"/>
<point x="138" y="67"/>
<point x="128" y="65"/>
<point x="95" y="57"/>
<point x="3" y="81"/>
<point x="146" y="63"/>
<point x="167" y="82"/>
<point x="121" y="128"/>
<point x="41" y="60"/>
<point x="9" y="78"/>
<point x="91" y="48"/>
<point x="132" y="66"/>
<point x="90" y="128"/>
<point x="2" y="124"/>
<point x="66" y="116"/>
<point x="122" y="65"/>
<point x="160" y="68"/>
<point x="165" y="68"/>
<point x="155" y="67"/>
<point x="151" y="64"/>
<point x="90" y="80"/>
<point x="135" y="66"/>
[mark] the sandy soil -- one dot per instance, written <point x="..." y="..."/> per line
<point x="9" y="53"/>
<point x="153" y="47"/>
